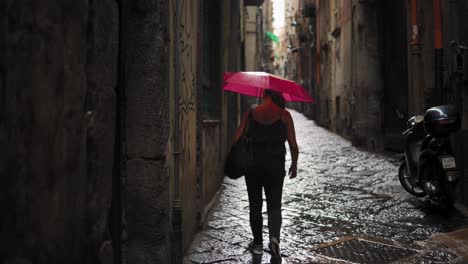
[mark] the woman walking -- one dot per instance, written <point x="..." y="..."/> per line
<point x="268" y="125"/>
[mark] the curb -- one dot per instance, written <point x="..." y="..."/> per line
<point x="208" y="207"/>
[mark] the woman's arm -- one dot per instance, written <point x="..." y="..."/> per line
<point x="240" y="129"/>
<point x="292" y="145"/>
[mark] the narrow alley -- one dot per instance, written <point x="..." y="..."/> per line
<point x="341" y="192"/>
<point x="118" y="117"/>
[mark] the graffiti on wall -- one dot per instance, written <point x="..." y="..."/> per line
<point x="187" y="103"/>
<point x="187" y="29"/>
<point x="184" y="81"/>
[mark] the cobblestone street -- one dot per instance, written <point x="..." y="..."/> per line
<point x="340" y="193"/>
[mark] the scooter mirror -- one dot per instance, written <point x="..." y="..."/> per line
<point x="419" y="119"/>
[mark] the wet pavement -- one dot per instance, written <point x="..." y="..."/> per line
<point x="341" y="193"/>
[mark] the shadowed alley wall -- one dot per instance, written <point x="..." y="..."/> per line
<point x="144" y="76"/>
<point x="58" y="72"/>
<point x="359" y="81"/>
<point x="381" y="62"/>
<point x="86" y="109"/>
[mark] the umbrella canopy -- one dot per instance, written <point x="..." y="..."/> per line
<point x="272" y="36"/>
<point x="254" y="83"/>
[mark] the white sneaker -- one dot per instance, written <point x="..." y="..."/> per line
<point x="256" y="249"/>
<point x="274" y="247"/>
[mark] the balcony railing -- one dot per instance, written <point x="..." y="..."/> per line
<point x="253" y="2"/>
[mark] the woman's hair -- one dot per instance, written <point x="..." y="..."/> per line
<point x="276" y="97"/>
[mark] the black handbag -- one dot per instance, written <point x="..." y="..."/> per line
<point x="240" y="157"/>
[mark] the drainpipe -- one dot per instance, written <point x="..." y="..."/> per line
<point x="262" y="39"/>
<point x="438" y="55"/>
<point x="176" y="209"/>
<point x="261" y="51"/>
<point x="414" y="23"/>
<point x="317" y="38"/>
<point x="465" y="92"/>
<point x="416" y="95"/>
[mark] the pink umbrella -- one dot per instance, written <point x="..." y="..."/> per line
<point x="254" y="83"/>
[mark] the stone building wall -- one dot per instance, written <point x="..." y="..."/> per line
<point x="144" y="78"/>
<point x="251" y="53"/>
<point x="58" y="72"/>
<point x="324" y="77"/>
<point x="367" y="79"/>
<point x="455" y="28"/>
<point x="349" y="82"/>
<point x="391" y="79"/>
<point x="87" y="108"/>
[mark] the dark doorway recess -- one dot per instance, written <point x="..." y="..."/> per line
<point x="395" y="72"/>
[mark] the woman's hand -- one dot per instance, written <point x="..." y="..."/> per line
<point x="294" y="149"/>
<point x="292" y="171"/>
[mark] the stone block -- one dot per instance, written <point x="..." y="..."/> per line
<point x="146" y="77"/>
<point x="147" y="211"/>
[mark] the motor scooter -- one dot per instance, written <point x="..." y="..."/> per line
<point x="429" y="166"/>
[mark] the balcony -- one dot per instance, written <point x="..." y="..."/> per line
<point x="253" y="2"/>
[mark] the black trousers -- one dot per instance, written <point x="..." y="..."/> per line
<point x="270" y="178"/>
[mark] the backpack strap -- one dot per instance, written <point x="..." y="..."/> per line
<point x="281" y="115"/>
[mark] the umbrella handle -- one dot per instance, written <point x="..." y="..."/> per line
<point x="259" y="92"/>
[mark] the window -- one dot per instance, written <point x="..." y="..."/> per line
<point x="338" y="107"/>
<point x="211" y="74"/>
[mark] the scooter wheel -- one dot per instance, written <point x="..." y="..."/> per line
<point x="408" y="182"/>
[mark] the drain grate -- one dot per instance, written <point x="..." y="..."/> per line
<point x="364" y="251"/>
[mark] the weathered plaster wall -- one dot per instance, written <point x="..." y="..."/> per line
<point x="212" y="174"/>
<point x="361" y="47"/>
<point x="183" y="83"/>
<point x="455" y="27"/>
<point x="426" y="19"/>
<point x="463" y="36"/>
<point x="73" y="75"/>
<point x="250" y="16"/>
<point x="326" y="75"/>
<point x="367" y="79"/>
<point x="233" y="53"/>
<point x="187" y="109"/>
<point x="340" y="41"/>
<point x="58" y="72"/>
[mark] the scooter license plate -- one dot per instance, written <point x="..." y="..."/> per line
<point x="448" y="162"/>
